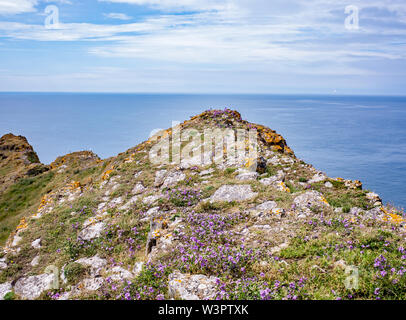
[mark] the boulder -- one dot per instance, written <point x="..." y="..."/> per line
<point x="160" y="177"/>
<point x="279" y="177"/>
<point x="318" y="177"/>
<point x="35" y="261"/>
<point x="267" y="206"/>
<point x="230" y="193"/>
<point x="95" y="263"/>
<point x="4" y="289"/>
<point x="173" y="178"/>
<point x="3" y="264"/>
<point x="247" y="176"/>
<point x="191" y="287"/>
<point x="36" y="244"/>
<point x="120" y="274"/>
<point x="137" y="268"/>
<point x="310" y="199"/>
<point x="32" y="287"/>
<point x="91" y="232"/>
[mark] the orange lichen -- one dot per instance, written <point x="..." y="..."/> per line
<point x="22" y="225"/>
<point x="106" y="174"/>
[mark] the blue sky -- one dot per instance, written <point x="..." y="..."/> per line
<point x="204" y="46"/>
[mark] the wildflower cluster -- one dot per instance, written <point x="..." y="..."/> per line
<point x="208" y="246"/>
<point x="182" y="197"/>
<point x="151" y="284"/>
<point x="254" y="288"/>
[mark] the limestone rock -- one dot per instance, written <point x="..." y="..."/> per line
<point x="95" y="263"/>
<point x="119" y="274"/>
<point x="373" y="197"/>
<point x="137" y="268"/>
<point x="139" y="188"/>
<point x="279" y="177"/>
<point x="310" y="199"/>
<point x="267" y="206"/>
<point x="160" y="177"/>
<point x="31" y="287"/>
<point x="191" y="287"/>
<point x="91" y="232"/>
<point x="3" y="264"/>
<point x="173" y="178"/>
<point x="206" y="172"/>
<point x="247" y="176"/>
<point x="318" y="177"/>
<point x="36" y="244"/>
<point x="230" y="193"/>
<point x="35" y="261"/>
<point x="151" y="199"/>
<point x="4" y="289"/>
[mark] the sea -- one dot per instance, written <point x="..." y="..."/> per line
<point x="353" y="137"/>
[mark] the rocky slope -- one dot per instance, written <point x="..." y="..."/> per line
<point x="128" y="228"/>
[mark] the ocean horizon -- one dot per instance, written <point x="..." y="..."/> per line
<point x="348" y="136"/>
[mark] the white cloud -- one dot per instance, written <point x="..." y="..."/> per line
<point x="17" y="6"/>
<point x="119" y="16"/>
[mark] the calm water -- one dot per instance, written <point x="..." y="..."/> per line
<point x="351" y="137"/>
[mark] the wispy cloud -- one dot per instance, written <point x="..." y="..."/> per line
<point x="119" y="16"/>
<point x="252" y="37"/>
<point x="17" y="6"/>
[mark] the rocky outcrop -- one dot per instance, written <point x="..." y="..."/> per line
<point x="191" y="287"/>
<point x="230" y="193"/>
<point x="17" y="160"/>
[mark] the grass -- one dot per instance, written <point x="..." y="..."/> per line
<point x="19" y="198"/>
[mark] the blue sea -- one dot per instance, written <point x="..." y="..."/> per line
<point x="354" y="137"/>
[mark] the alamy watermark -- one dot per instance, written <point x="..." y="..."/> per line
<point x="352" y="21"/>
<point x="52" y="19"/>
<point x="203" y="147"/>
<point x="352" y="280"/>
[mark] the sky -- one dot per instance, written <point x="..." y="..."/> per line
<point x="204" y="46"/>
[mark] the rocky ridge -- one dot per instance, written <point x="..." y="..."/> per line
<point x="123" y="228"/>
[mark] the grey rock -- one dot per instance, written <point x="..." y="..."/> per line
<point x="36" y="244"/>
<point x="318" y="177"/>
<point x="206" y="172"/>
<point x="4" y="289"/>
<point x="247" y="176"/>
<point x="151" y="199"/>
<point x="230" y="193"/>
<point x="374" y="213"/>
<point x="137" y="268"/>
<point x="279" y="177"/>
<point x="267" y="206"/>
<point x="35" y="261"/>
<point x="3" y="264"/>
<point x="173" y="178"/>
<point x="130" y="203"/>
<point x="309" y="199"/>
<point x="92" y="284"/>
<point x="16" y="240"/>
<point x="191" y="287"/>
<point x="328" y="184"/>
<point x="95" y="263"/>
<point x="160" y="177"/>
<point x="93" y="231"/>
<point x="31" y="287"/>
<point x="119" y="274"/>
<point x="139" y="188"/>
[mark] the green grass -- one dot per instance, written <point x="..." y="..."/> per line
<point x="18" y="198"/>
